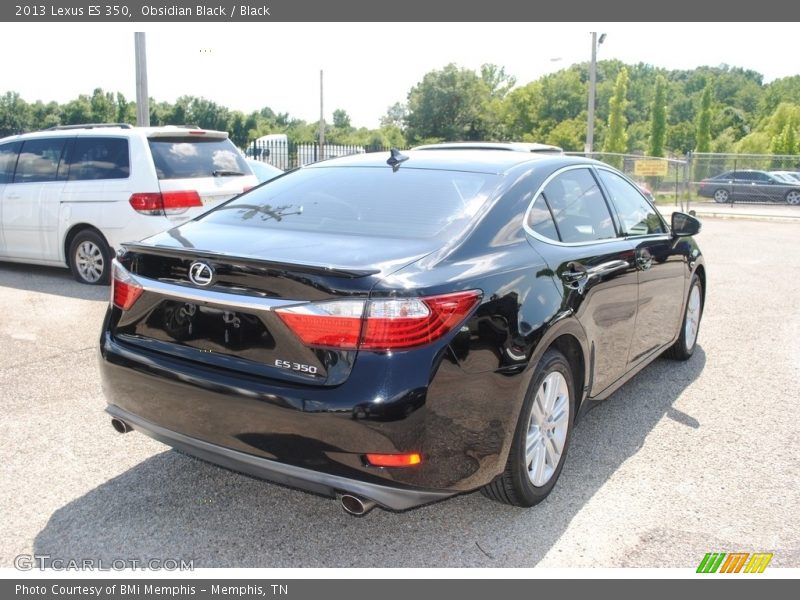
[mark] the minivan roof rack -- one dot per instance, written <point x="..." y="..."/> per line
<point x="90" y="126"/>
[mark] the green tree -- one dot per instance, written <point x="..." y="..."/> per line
<point x="77" y="111"/>
<point x="395" y="116"/>
<point x="534" y="110"/>
<point x="569" y="135"/>
<point x="617" y="137"/>
<point x="786" y="141"/>
<point x="341" y="119"/>
<point x="704" y="121"/>
<point x="14" y="114"/>
<point x="680" y="137"/>
<point x="103" y="107"/>
<point x="703" y="135"/>
<point x="448" y="105"/>
<point x="658" y="119"/>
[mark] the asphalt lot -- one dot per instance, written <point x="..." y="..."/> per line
<point x="685" y="459"/>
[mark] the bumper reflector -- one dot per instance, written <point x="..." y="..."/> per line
<point x="394" y="460"/>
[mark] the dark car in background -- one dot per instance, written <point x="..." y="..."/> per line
<point x="396" y="329"/>
<point x="750" y="186"/>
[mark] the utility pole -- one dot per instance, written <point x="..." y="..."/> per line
<point x="142" y="97"/>
<point x="321" y="121"/>
<point x="592" y="90"/>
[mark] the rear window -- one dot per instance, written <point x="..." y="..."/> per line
<point x="190" y="158"/>
<point x="374" y="201"/>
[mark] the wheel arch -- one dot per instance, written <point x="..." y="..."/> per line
<point x="73" y="232"/>
<point x="700" y="271"/>
<point x="567" y="336"/>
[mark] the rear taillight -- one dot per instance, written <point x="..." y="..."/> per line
<point x="380" y="324"/>
<point x="165" y="203"/>
<point x="125" y="291"/>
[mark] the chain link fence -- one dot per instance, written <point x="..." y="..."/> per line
<point x="699" y="178"/>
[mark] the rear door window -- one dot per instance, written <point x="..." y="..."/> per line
<point x="38" y="160"/>
<point x="578" y="207"/>
<point x="99" y="158"/>
<point x="182" y="157"/>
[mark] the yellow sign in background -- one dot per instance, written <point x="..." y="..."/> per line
<point x="650" y="168"/>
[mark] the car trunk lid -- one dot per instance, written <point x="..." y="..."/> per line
<point x="218" y="308"/>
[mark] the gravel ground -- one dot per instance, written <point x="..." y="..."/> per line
<point x="685" y="459"/>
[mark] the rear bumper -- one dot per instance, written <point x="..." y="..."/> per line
<point x="297" y="477"/>
<point x="316" y="438"/>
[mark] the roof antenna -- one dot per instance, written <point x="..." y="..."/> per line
<point x="396" y="158"/>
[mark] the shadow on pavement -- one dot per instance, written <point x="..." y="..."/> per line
<point x="172" y="506"/>
<point x="48" y="280"/>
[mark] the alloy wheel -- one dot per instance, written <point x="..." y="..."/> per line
<point x="89" y="261"/>
<point x="692" y="322"/>
<point x="547" y="430"/>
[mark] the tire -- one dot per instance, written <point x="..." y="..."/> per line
<point x="519" y="484"/>
<point x="793" y="197"/>
<point x="90" y="258"/>
<point x="721" y="196"/>
<point x="684" y="346"/>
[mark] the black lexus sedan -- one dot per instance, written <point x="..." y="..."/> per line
<point x="394" y="329"/>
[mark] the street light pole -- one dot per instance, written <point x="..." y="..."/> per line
<point x="321" y="121"/>
<point x="142" y="97"/>
<point x="592" y="90"/>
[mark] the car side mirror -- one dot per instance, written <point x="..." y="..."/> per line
<point x="683" y="224"/>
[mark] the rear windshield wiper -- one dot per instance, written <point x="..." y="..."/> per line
<point x="223" y="173"/>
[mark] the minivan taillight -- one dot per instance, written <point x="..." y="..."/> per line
<point x="380" y="324"/>
<point x="125" y="291"/>
<point x="165" y="203"/>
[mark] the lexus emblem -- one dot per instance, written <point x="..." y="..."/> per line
<point x="201" y="273"/>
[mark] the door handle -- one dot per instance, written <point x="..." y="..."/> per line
<point x="13" y="196"/>
<point x="608" y="267"/>
<point x="575" y="273"/>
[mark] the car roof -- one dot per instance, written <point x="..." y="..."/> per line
<point x="125" y="129"/>
<point x="478" y="160"/>
<point x="505" y="146"/>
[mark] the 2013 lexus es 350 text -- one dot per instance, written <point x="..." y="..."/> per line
<point x="394" y="329"/>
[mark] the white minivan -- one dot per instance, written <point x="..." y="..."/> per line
<point x="69" y="196"/>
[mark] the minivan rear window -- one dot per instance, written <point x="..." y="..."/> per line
<point x="373" y="201"/>
<point x="189" y="158"/>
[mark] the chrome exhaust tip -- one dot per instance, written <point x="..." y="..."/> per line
<point x="120" y="426"/>
<point x="354" y="505"/>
